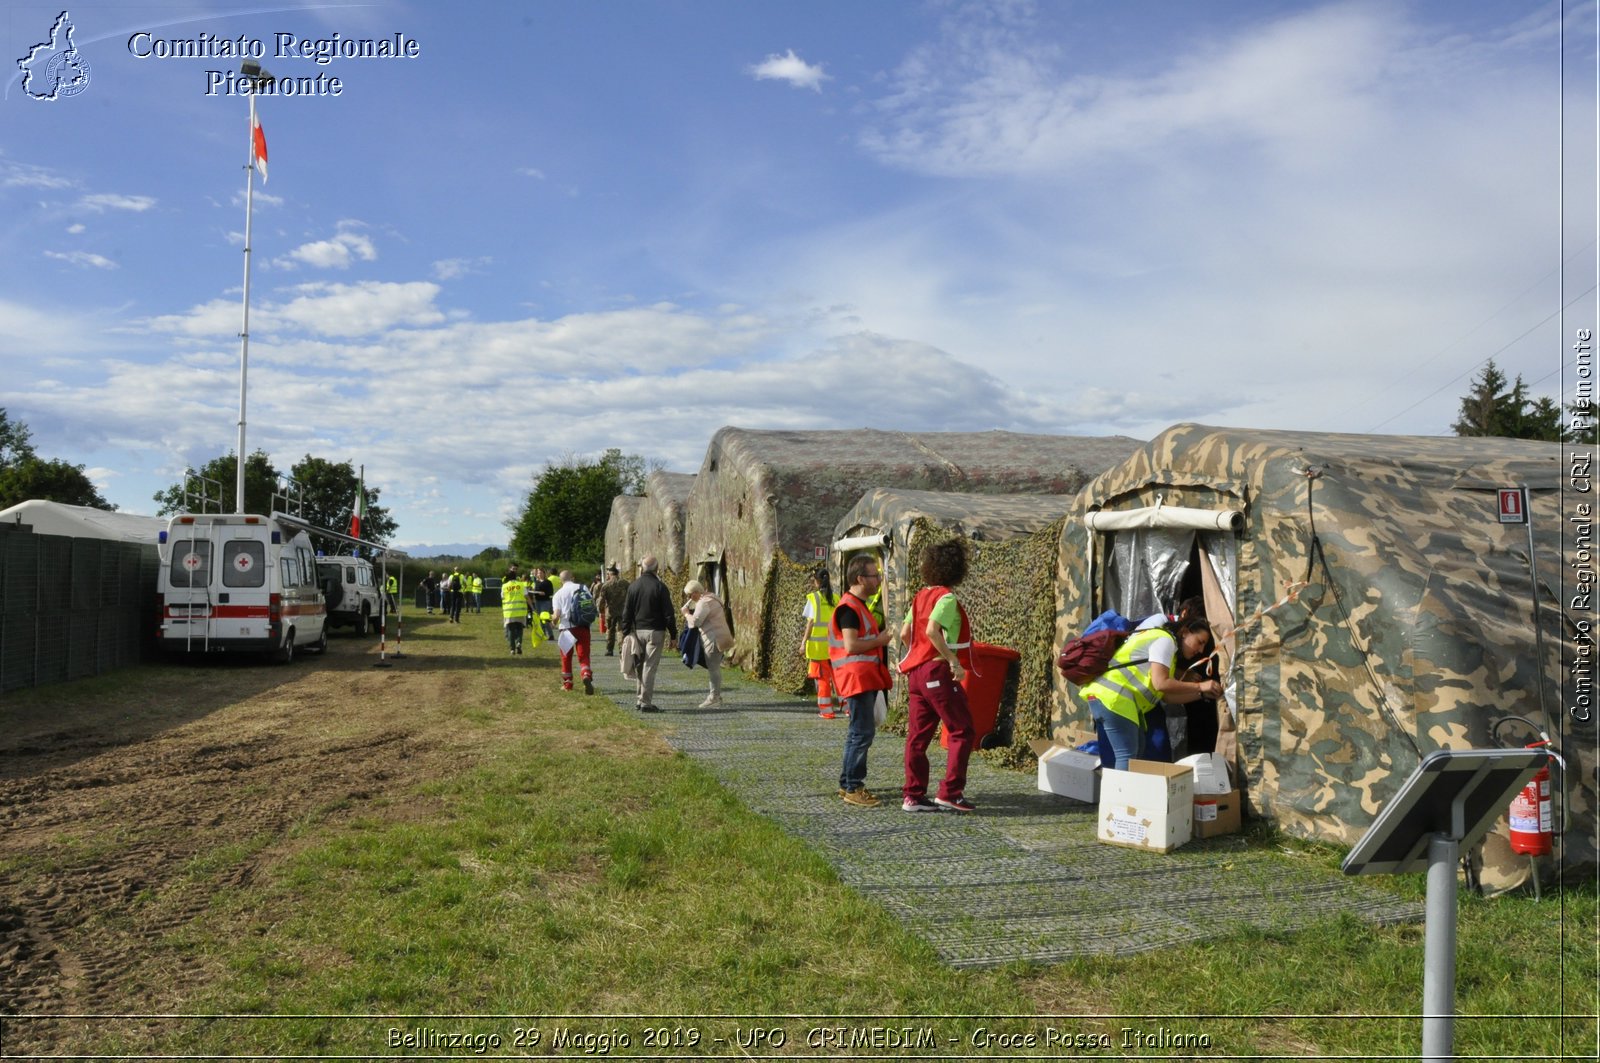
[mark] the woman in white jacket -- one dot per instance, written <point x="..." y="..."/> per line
<point x="704" y="612"/>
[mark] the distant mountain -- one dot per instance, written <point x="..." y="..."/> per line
<point x="447" y="549"/>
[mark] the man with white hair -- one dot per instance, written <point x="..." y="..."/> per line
<point x="648" y="616"/>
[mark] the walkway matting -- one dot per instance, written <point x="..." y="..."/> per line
<point x="1023" y="878"/>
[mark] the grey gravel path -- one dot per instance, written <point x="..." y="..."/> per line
<point x="1023" y="878"/>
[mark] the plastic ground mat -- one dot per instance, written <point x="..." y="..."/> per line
<point x="1023" y="878"/>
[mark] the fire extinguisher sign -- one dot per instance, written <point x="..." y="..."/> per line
<point x="1513" y="505"/>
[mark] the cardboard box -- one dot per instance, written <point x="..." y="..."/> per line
<point x="1217" y="814"/>
<point x="1149" y="806"/>
<point x="1065" y="771"/>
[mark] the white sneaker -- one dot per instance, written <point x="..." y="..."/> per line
<point x="712" y="702"/>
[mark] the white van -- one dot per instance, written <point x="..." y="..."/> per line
<point x="238" y="581"/>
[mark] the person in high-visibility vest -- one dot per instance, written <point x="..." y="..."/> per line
<point x="477" y="593"/>
<point x="1142" y="675"/>
<point x="818" y="614"/>
<point x="939" y="638"/>
<point x="513" y="612"/>
<point x="856" y="651"/>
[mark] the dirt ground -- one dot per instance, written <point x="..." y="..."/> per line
<point x="130" y="802"/>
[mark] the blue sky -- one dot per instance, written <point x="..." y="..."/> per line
<point x="566" y="226"/>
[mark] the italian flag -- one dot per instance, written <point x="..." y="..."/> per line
<point x="357" y="512"/>
<point x="258" y="147"/>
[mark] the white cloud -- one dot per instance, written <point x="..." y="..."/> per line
<point x="361" y="309"/>
<point x="791" y="68"/>
<point x="336" y="252"/>
<point x="447" y="269"/>
<point x="77" y="228"/>
<point x="23" y="175"/>
<point x="82" y="258"/>
<point x="104" y="201"/>
<point x="530" y="171"/>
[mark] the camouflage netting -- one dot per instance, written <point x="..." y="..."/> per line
<point x="622" y="531"/>
<point x="1438" y="647"/>
<point x="765" y="497"/>
<point x="1009" y="592"/>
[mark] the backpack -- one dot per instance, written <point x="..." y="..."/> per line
<point x="582" y="612"/>
<point x="1087" y="657"/>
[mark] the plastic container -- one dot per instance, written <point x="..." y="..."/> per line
<point x="985" y="682"/>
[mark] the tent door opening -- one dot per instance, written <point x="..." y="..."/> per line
<point x="1153" y="570"/>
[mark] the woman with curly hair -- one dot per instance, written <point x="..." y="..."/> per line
<point x="940" y="639"/>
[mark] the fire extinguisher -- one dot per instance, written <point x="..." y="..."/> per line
<point x="1532" y="832"/>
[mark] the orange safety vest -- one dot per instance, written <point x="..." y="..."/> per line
<point x="922" y="650"/>
<point x="857" y="673"/>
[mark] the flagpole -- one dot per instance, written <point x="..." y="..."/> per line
<point x="256" y="78"/>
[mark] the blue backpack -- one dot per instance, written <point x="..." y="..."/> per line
<point x="583" y="611"/>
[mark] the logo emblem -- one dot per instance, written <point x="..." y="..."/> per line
<point x="55" y="69"/>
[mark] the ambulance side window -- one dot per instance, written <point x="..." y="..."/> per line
<point x="244" y="563"/>
<point x="286" y="569"/>
<point x="308" y="565"/>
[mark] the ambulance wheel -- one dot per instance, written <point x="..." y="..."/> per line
<point x="364" y="622"/>
<point x="285" y="654"/>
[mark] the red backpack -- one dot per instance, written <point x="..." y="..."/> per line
<point x="1087" y="657"/>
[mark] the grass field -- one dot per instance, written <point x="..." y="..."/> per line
<point x="451" y="858"/>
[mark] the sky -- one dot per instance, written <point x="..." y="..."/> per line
<point x="552" y="227"/>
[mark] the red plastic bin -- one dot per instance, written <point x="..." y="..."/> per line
<point x="985" y="682"/>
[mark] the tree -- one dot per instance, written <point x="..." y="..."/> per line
<point x="14" y="440"/>
<point x="52" y="481"/>
<point x="24" y="476"/>
<point x="260" y="484"/>
<point x="1491" y="409"/>
<point x="564" y="517"/>
<point x="327" y="499"/>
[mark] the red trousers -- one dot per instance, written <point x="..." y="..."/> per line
<point x="582" y="650"/>
<point x="935" y="696"/>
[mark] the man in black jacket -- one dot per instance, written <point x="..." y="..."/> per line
<point x="649" y="616"/>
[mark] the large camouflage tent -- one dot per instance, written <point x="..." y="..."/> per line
<point x="1408" y="628"/>
<point x="1009" y="592"/>
<point x="659" y="525"/>
<point x="764" y="506"/>
<point x="622" y="532"/>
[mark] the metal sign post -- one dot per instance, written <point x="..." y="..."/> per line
<point x="1446" y="806"/>
<point x="1513" y="503"/>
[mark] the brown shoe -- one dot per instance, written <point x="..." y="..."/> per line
<point x="861" y="797"/>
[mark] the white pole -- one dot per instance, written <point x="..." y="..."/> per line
<point x="244" y="327"/>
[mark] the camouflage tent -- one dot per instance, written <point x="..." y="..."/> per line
<point x="1373" y="607"/>
<point x="1009" y="592"/>
<point x="622" y="532"/>
<point x="660" y="524"/>
<point x="764" y="506"/>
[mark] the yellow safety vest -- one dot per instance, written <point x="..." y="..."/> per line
<point x="821" y="617"/>
<point x="513" y="606"/>
<point x="1127" y="691"/>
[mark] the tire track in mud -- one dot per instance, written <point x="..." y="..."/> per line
<point x="108" y="845"/>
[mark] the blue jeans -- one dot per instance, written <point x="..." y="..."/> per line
<point x="863" y="729"/>
<point x="1121" y="740"/>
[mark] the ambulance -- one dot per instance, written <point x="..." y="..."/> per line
<point x="239" y="582"/>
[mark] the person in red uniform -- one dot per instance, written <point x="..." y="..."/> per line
<point x="940" y="640"/>
<point x="856" y="651"/>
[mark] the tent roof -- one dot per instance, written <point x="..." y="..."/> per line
<point x="983" y="517"/>
<point x="668" y="487"/>
<point x="946" y="458"/>
<point x="84" y="522"/>
<point x="1225" y="456"/>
